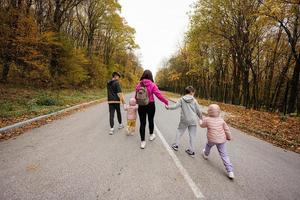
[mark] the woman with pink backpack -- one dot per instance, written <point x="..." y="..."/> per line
<point x="145" y="92"/>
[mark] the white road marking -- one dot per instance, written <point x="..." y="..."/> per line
<point x="182" y="170"/>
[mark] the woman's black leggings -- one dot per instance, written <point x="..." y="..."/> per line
<point x="143" y="112"/>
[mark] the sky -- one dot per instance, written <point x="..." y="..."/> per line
<point x="160" y="26"/>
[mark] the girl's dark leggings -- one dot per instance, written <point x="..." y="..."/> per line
<point x="143" y="112"/>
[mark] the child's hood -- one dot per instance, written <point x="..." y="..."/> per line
<point x="214" y="110"/>
<point x="188" y="98"/>
<point x="132" y="102"/>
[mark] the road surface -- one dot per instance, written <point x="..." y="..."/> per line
<point x="76" y="158"/>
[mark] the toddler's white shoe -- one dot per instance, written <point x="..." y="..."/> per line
<point x="121" y="126"/>
<point x="111" y="131"/>
<point x="203" y="154"/>
<point x="152" y="137"/>
<point x="143" y="144"/>
<point x="231" y="175"/>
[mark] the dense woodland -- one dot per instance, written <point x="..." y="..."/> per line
<point x="65" y="43"/>
<point x="244" y="52"/>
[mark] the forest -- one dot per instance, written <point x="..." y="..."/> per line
<point x="242" y="52"/>
<point x="65" y="43"/>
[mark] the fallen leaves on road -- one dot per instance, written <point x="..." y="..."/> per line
<point x="32" y="167"/>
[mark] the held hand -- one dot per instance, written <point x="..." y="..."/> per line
<point x="229" y="138"/>
<point x="200" y="121"/>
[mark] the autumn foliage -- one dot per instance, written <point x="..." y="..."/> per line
<point x="64" y="44"/>
<point x="243" y="52"/>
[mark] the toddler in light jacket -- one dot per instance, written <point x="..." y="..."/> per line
<point x="131" y="116"/>
<point x="218" y="133"/>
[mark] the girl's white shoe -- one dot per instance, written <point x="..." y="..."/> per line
<point x="152" y="137"/>
<point x="203" y="154"/>
<point x="143" y="144"/>
<point x="231" y="175"/>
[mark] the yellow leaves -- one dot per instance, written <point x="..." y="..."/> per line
<point x="192" y="72"/>
<point x="32" y="167"/>
<point x="277" y="9"/>
<point x="174" y="76"/>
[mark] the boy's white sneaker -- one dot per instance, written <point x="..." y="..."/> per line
<point x="111" y="131"/>
<point x="143" y="144"/>
<point x="231" y="175"/>
<point x="121" y="126"/>
<point x="152" y="137"/>
<point x="203" y="154"/>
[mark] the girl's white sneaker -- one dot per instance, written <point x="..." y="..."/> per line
<point x="143" y="144"/>
<point x="203" y="154"/>
<point x="231" y="175"/>
<point x="152" y="137"/>
<point x="111" y="131"/>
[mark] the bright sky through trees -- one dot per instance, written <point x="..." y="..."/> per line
<point x="160" y="26"/>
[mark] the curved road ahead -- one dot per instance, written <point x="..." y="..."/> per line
<point x="76" y="158"/>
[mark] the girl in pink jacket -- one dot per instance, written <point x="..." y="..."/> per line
<point x="131" y="116"/>
<point x="217" y="134"/>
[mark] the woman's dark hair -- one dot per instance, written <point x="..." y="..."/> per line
<point x="147" y="75"/>
<point x="189" y="90"/>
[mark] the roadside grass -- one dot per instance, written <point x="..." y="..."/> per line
<point x="18" y="103"/>
<point x="283" y="131"/>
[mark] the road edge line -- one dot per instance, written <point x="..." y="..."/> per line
<point x="29" y="121"/>
<point x="198" y="194"/>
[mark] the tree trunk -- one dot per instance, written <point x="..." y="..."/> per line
<point x="254" y="90"/>
<point x="279" y="83"/>
<point x="5" y="72"/>
<point x="90" y="46"/>
<point x="235" y="82"/>
<point x="294" y="86"/>
<point x="286" y="97"/>
<point x="245" y="87"/>
<point x="57" y="16"/>
<point x="298" y="105"/>
<point x="271" y="72"/>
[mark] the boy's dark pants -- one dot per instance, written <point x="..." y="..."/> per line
<point x="112" y="108"/>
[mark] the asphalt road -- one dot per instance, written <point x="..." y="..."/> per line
<point x="76" y="158"/>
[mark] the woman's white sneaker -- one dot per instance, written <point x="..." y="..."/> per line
<point x="143" y="144"/>
<point x="152" y="137"/>
<point x="111" y="131"/>
<point x="231" y="175"/>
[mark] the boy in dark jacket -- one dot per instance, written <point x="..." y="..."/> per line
<point x="115" y="98"/>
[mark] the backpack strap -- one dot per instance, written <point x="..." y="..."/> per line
<point x="142" y="83"/>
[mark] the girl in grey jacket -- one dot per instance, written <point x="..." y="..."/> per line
<point x="189" y="117"/>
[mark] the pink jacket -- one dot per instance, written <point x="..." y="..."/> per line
<point x="152" y="90"/>
<point x="217" y="129"/>
<point x="131" y="111"/>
